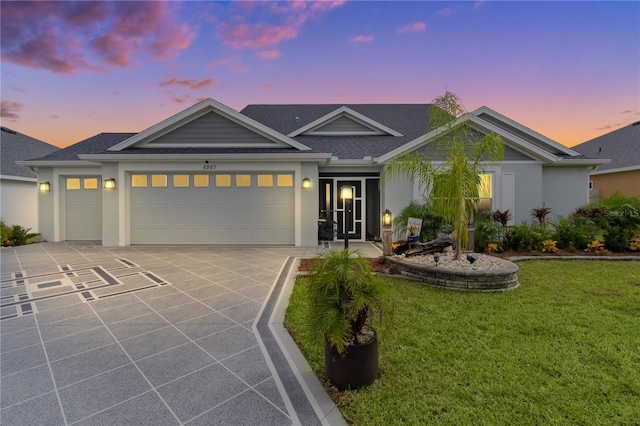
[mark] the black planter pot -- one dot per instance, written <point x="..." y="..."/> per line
<point x="355" y="368"/>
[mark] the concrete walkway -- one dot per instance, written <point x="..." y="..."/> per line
<point x="154" y="335"/>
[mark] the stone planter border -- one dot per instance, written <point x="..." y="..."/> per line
<point x="502" y="279"/>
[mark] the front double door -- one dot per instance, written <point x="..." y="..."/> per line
<point x="347" y="214"/>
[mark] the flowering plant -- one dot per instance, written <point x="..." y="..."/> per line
<point x="491" y="248"/>
<point x="594" y="246"/>
<point x="549" y="246"/>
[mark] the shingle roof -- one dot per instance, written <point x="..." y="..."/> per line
<point x="15" y="146"/>
<point x="622" y="146"/>
<point x="408" y="119"/>
<point x="97" y="144"/>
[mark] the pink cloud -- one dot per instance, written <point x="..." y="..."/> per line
<point x="254" y="36"/>
<point x="238" y="34"/>
<point x="10" y="110"/>
<point x="85" y="13"/>
<point x="67" y="37"/>
<point x="416" y="27"/>
<point x="113" y="49"/>
<point x="269" y="54"/>
<point x="189" y="83"/>
<point x="361" y="38"/>
<point x="266" y="85"/>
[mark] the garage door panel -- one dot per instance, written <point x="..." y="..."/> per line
<point x="212" y="215"/>
<point x="82" y="209"/>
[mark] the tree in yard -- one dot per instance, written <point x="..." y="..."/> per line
<point x="452" y="182"/>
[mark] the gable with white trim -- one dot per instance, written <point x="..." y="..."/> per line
<point x="344" y="121"/>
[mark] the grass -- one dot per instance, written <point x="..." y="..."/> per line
<point x="563" y="348"/>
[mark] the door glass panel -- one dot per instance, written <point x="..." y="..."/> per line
<point x="201" y="180"/>
<point x="223" y="180"/>
<point x="90" y="183"/>
<point x="243" y="180"/>
<point x="73" y="183"/>
<point x="180" y="181"/>
<point x="159" y="181"/>
<point x="285" y="180"/>
<point x="265" y="180"/>
<point x="139" y="181"/>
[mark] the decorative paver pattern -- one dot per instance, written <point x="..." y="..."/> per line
<point x="92" y="335"/>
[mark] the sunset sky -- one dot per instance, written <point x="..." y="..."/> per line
<point x="70" y="70"/>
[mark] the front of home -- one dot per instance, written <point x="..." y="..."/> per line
<point x="272" y="174"/>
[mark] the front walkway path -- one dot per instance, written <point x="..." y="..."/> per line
<point x="167" y="335"/>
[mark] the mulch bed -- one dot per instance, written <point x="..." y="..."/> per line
<point x="560" y="253"/>
<point x="377" y="263"/>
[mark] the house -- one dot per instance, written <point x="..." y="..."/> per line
<point x="18" y="184"/>
<point x="622" y="174"/>
<point x="271" y="174"/>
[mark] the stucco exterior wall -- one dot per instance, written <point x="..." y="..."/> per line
<point x="528" y="189"/>
<point x="628" y="183"/>
<point x="19" y="203"/>
<point x="564" y="189"/>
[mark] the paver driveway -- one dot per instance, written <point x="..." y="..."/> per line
<point x="142" y="335"/>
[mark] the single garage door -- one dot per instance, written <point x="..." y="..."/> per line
<point x="223" y="208"/>
<point x="83" y="208"/>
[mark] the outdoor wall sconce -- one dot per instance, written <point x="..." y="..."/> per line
<point x="387" y="218"/>
<point x="44" y="187"/>
<point x="110" y="183"/>
<point x="346" y="194"/>
<point x="306" y="183"/>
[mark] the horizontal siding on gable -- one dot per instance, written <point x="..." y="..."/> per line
<point x="343" y="125"/>
<point x="211" y="129"/>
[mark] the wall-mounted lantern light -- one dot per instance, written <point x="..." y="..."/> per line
<point x="387" y="218"/>
<point x="306" y="183"/>
<point x="110" y="183"/>
<point x="44" y="187"/>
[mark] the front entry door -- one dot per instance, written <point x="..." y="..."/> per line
<point x="354" y="211"/>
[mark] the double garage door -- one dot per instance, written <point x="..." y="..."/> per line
<point x="222" y="208"/>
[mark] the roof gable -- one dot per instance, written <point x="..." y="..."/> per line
<point x="344" y="121"/>
<point x="513" y="139"/>
<point x="523" y="132"/>
<point x="622" y="146"/>
<point x="15" y="146"/>
<point x="209" y="124"/>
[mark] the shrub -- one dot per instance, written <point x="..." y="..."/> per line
<point x="526" y="237"/>
<point x="540" y="214"/>
<point x="16" y="235"/>
<point x="574" y="232"/>
<point x="432" y="223"/>
<point x="486" y="232"/>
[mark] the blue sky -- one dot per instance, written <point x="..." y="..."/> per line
<point x="70" y="70"/>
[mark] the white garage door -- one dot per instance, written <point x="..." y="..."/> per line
<point x="229" y="208"/>
<point x="83" y="208"/>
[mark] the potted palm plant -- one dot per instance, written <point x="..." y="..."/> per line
<point x="344" y="295"/>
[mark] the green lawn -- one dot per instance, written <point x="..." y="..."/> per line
<point x="563" y="348"/>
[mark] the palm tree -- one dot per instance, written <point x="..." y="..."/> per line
<point x="451" y="183"/>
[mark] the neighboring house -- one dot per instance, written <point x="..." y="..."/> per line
<point x="212" y="175"/>
<point x="18" y="184"/>
<point x="622" y="174"/>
